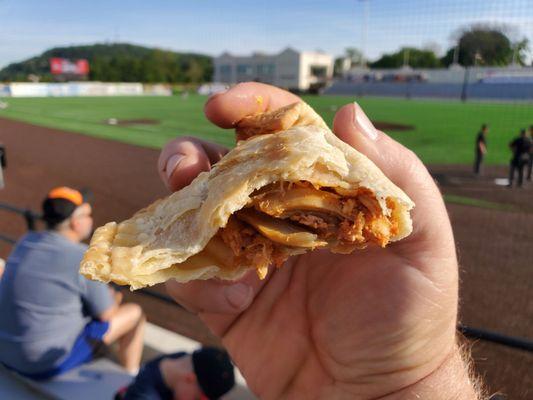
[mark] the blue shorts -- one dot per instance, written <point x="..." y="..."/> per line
<point x="82" y="352"/>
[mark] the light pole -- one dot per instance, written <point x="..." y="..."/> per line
<point x="406" y="58"/>
<point x="364" y="31"/>
<point x="456" y="54"/>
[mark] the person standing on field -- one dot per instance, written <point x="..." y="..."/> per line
<point x="530" y="164"/>
<point x="481" y="148"/>
<point x="521" y="147"/>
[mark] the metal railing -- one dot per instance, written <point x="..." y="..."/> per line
<point x="30" y="217"/>
<point x="467" y="331"/>
<point x="473" y="333"/>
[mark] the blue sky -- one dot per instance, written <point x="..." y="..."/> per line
<point x="28" y="27"/>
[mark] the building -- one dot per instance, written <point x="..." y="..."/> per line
<point x="289" y="69"/>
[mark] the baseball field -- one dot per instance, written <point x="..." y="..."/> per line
<point x="117" y="154"/>
<point x="440" y="132"/>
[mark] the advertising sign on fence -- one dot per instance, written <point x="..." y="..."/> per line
<point x="59" y="66"/>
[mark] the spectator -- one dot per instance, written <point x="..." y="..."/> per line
<point x="205" y="374"/>
<point x="481" y="148"/>
<point x="51" y="318"/>
<point x="521" y="152"/>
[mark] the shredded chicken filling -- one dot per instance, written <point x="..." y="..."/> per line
<point x="285" y="217"/>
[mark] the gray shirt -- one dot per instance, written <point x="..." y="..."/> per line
<point x="45" y="302"/>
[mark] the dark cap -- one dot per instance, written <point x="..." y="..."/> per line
<point x="61" y="202"/>
<point x="214" y="371"/>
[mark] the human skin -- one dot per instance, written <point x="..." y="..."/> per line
<point x="178" y="375"/>
<point x="378" y="323"/>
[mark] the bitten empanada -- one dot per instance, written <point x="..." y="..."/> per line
<point x="288" y="187"/>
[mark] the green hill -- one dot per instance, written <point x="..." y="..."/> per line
<point x="119" y="62"/>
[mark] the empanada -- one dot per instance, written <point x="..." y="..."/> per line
<point x="292" y="186"/>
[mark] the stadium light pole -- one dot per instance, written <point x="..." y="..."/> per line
<point x="515" y="54"/>
<point x="363" y="34"/>
<point x="464" y="88"/>
<point x="406" y="58"/>
<point x="456" y="54"/>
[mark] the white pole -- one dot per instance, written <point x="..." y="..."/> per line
<point x="364" y="32"/>
<point x="405" y="57"/>
<point x="514" y="55"/>
<point x="456" y="54"/>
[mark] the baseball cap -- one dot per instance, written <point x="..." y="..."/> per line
<point x="61" y="202"/>
<point x="214" y="371"/>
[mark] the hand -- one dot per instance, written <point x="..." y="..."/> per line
<point x="375" y="323"/>
<point x="117" y="295"/>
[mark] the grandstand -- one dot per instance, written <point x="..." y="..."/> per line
<point x="459" y="83"/>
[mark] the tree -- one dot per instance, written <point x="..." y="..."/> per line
<point x="520" y="50"/>
<point x="483" y="44"/>
<point x="410" y="56"/>
<point x="119" y="62"/>
<point x="194" y="72"/>
<point x="354" y="55"/>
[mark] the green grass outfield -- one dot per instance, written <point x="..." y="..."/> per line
<point x="444" y="130"/>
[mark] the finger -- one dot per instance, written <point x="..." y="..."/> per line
<point x="180" y="162"/>
<point x="182" y="159"/>
<point x="353" y="126"/>
<point x="214" y="151"/>
<point x="226" y="109"/>
<point x="402" y="166"/>
<point x="216" y="296"/>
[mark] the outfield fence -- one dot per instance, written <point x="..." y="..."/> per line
<point x="82" y="89"/>
<point x="458" y="91"/>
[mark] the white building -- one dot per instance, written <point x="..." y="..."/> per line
<point x="289" y="69"/>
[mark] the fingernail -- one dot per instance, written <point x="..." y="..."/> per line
<point x="172" y="163"/>
<point x="238" y="295"/>
<point x="363" y="124"/>
<point x="216" y="94"/>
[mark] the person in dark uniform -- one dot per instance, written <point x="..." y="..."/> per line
<point x="3" y="164"/>
<point x="521" y="150"/>
<point x="481" y="148"/>
<point x="206" y="374"/>
<point x="530" y="165"/>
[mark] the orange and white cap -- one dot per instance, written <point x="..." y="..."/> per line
<point x="66" y="193"/>
<point x="61" y="202"/>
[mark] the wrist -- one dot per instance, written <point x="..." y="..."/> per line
<point x="452" y="380"/>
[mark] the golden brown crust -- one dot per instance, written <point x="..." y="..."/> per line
<point x="295" y="114"/>
<point x="173" y="237"/>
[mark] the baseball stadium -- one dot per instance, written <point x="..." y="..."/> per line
<point x="86" y="113"/>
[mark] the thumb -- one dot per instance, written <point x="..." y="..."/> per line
<point x="401" y="166"/>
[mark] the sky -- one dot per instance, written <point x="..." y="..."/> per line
<point x="29" y="27"/>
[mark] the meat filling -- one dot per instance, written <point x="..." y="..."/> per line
<point x="250" y="248"/>
<point x="290" y="218"/>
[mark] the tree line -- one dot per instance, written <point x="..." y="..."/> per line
<point x="480" y="44"/>
<point x="119" y="62"/>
